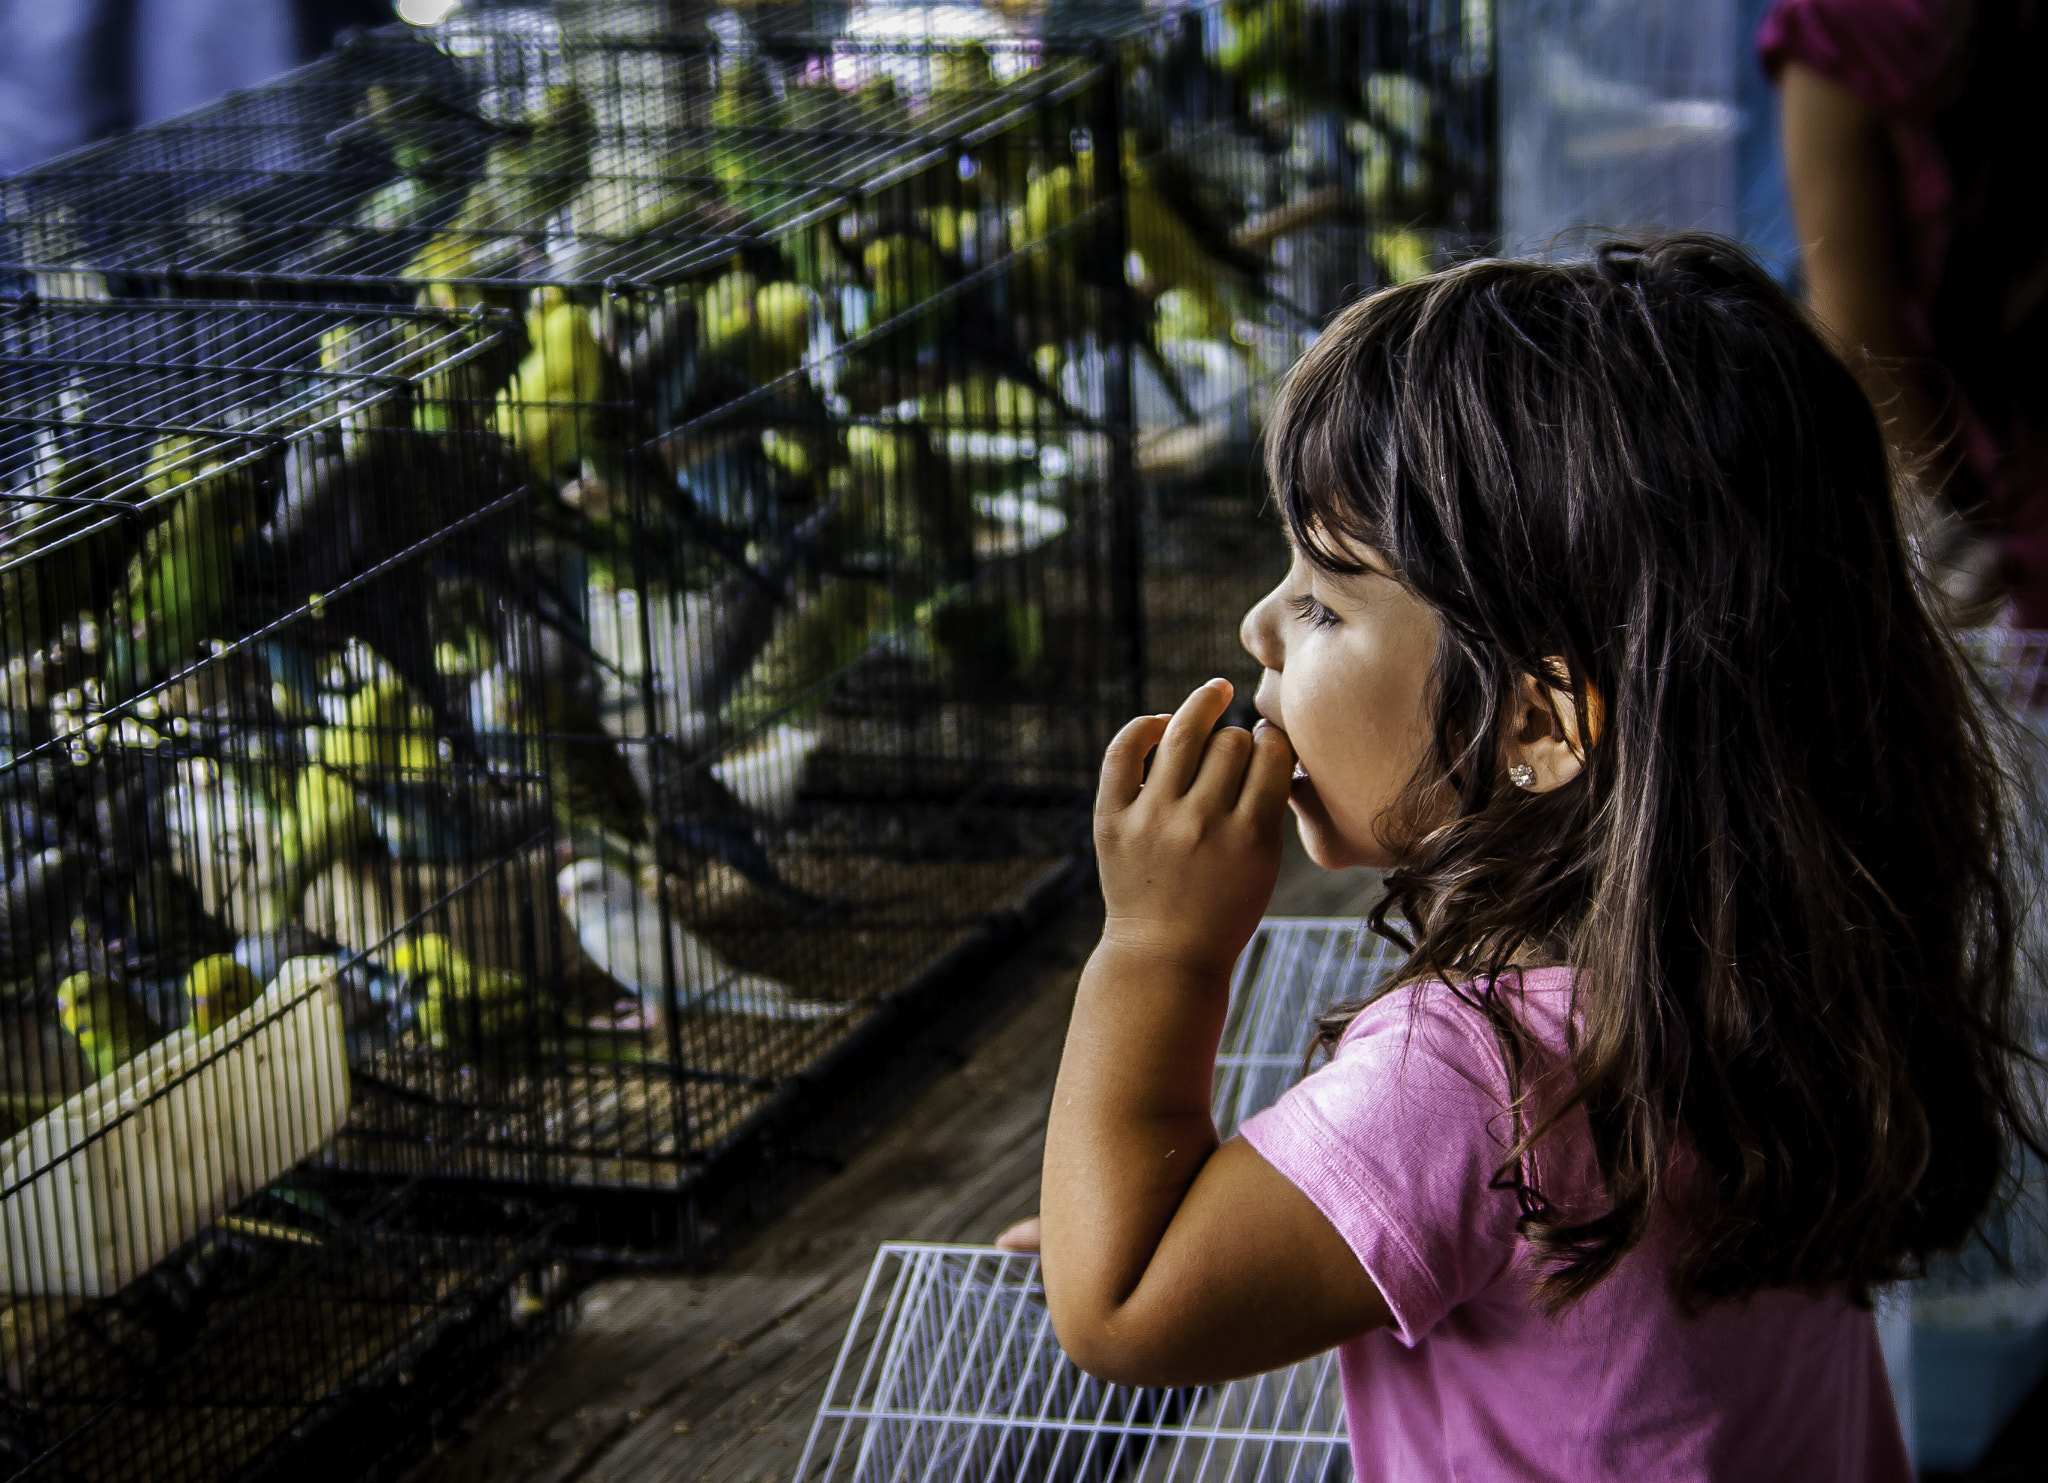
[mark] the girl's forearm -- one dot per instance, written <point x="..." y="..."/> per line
<point x="1130" y="1126"/>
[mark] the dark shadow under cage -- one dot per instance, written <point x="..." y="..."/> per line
<point x="245" y="553"/>
<point x="817" y="381"/>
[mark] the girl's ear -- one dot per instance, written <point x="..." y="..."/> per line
<point x="1543" y="748"/>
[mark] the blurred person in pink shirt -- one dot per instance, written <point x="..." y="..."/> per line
<point x="1916" y="153"/>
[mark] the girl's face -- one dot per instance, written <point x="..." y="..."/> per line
<point x="1347" y="662"/>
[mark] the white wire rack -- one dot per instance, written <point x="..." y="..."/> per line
<point x="950" y="1372"/>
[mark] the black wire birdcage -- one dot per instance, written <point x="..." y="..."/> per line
<point x="245" y="556"/>
<point x="820" y="385"/>
<point x="1280" y="158"/>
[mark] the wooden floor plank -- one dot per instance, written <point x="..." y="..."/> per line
<point x="715" y="1379"/>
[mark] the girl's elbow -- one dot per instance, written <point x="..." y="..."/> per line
<point x="1117" y="1351"/>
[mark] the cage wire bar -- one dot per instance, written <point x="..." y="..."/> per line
<point x="210" y="608"/>
<point x="950" y="1369"/>
<point x="820" y="379"/>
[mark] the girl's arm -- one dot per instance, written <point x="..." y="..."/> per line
<point x="1839" y="172"/>
<point x="1167" y="1260"/>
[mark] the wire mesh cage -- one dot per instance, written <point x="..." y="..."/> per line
<point x="820" y="386"/>
<point x="341" y="1332"/>
<point x="246" y="554"/>
<point x="1280" y="159"/>
<point x="950" y="1369"/>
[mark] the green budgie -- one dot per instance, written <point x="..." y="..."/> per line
<point x="386" y="731"/>
<point x="762" y="328"/>
<point x="462" y="1001"/>
<point x="217" y="988"/>
<point x="105" y="1019"/>
<point x="181" y="583"/>
<point x="554" y="410"/>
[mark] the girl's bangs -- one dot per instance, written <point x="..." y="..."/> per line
<point x="1317" y="460"/>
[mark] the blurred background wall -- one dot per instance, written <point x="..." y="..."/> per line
<point x="73" y="70"/>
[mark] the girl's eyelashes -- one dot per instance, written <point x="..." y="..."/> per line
<point x="1311" y="612"/>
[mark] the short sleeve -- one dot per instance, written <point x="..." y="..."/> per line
<point x="1396" y="1141"/>
<point x="1889" y="53"/>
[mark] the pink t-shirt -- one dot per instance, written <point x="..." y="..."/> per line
<point x="1396" y="1142"/>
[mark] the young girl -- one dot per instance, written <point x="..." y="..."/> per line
<point x="1599" y="632"/>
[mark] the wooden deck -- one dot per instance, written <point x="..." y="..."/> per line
<point x="715" y="1378"/>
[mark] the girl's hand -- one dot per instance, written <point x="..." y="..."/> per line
<point x="1189" y="855"/>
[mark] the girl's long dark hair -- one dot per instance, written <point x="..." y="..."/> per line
<point x="1785" y="873"/>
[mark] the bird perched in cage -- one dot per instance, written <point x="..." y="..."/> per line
<point x="217" y="988"/>
<point x="905" y="271"/>
<point x="249" y="844"/>
<point x="598" y="801"/>
<point x="636" y="944"/>
<point x="1184" y="240"/>
<point x="762" y="328"/>
<point x="327" y="821"/>
<point x="1285" y="54"/>
<point x="37" y="903"/>
<point x="528" y="175"/>
<point x="226" y="838"/>
<point x="1070" y="281"/>
<point x="1399" y="152"/>
<point x="105" y="1019"/>
<point x="385" y="730"/>
<point x="699" y="364"/>
<point x="554" y="411"/>
<point x="1403" y="255"/>
<point x="460" y="1002"/>
<point x="182" y="582"/>
<point x="589" y="781"/>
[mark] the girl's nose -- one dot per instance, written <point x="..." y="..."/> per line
<point x="1260" y="633"/>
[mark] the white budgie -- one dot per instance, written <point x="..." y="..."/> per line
<point x="620" y="929"/>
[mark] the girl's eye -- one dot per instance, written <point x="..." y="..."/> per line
<point x="1313" y="613"/>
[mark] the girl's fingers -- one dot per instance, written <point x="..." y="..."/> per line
<point x="1187" y="736"/>
<point x="1222" y="771"/>
<point x="1123" y="765"/>
<point x="1271" y="773"/>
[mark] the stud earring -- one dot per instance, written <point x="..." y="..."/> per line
<point x="1522" y="775"/>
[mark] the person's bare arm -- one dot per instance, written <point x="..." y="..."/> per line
<point x="1168" y="1260"/>
<point x="1838" y="168"/>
